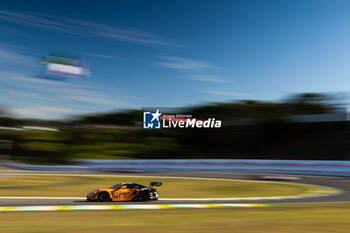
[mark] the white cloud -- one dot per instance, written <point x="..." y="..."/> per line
<point x="227" y="93"/>
<point x="183" y="63"/>
<point x="32" y="20"/>
<point x="11" y="57"/>
<point x="23" y="94"/>
<point x="81" y="27"/>
<point x="64" y="97"/>
<point x="19" y="79"/>
<point x="208" y="78"/>
<point x="42" y="111"/>
<point x="93" y="97"/>
<point x="103" y="56"/>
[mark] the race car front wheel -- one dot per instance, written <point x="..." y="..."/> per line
<point x="143" y="196"/>
<point x="103" y="196"/>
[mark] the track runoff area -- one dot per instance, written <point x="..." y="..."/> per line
<point x="317" y="190"/>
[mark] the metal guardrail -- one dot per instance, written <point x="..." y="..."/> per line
<point x="332" y="168"/>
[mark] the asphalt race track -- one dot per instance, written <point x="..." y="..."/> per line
<point x="341" y="183"/>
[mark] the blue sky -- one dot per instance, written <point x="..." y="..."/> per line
<point x="170" y="53"/>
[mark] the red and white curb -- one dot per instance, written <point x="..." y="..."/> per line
<point x="128" y="207"/>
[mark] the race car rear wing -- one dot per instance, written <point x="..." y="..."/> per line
<point x="156" y="183"/>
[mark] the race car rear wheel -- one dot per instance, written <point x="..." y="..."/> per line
<point x="104" y="196"/>
<point x="143" y="196"/>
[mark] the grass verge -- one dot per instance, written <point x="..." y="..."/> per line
<point x="256" y="220"/>
<point x="75" y="186"/>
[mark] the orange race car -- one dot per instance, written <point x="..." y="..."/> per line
<point x="125" y="192"/>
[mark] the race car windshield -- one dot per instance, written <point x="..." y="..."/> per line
<point x="114" y="186"/>
<point x="139" y="186"/>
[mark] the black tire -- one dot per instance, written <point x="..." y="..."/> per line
<point x="104" y="196"/>
<point x="143" y="196"/>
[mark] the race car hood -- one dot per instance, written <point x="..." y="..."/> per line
<point x="96" y="191"/>
<point x="106" y="189"/>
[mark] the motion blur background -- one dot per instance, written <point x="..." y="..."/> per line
<point x="74" y="78"/>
